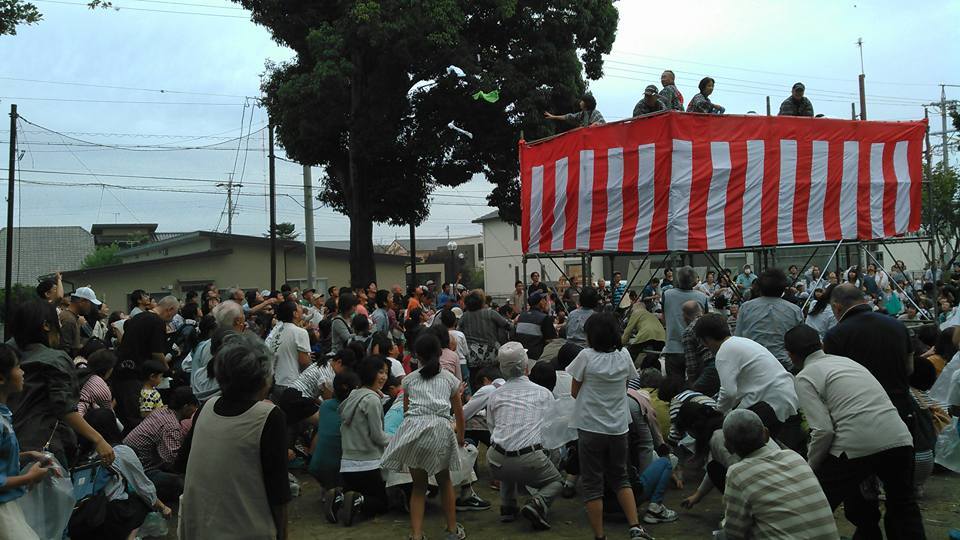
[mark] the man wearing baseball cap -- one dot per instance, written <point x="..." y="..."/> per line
<point x="83" y="302"/>
<point x="515" y="415"/>
<point x="796" y="104"/>
<point x="650" y="103"/>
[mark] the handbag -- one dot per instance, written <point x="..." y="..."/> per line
<point x="90" y="512"/>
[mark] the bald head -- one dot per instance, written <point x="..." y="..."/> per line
<point x="844" y="297"/>
<point x="691" y="310"/>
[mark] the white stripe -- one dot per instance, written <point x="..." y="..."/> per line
<point x="788" y="186"/>
<point x="645" y="165"/>
<point x="902" y="170"/>
<point x="848" y="189"/>
<point x="536" y="209"/>
<point x="876" y="190"/>
<point x="717" y="200"/>
<point x="681" y="180"/>
<point x="611" y="238"/>
<point x="560" y="205"/>
<point x="585" y="200"/>
<point x="818" y="190"/>
<point x="753" y="194"/>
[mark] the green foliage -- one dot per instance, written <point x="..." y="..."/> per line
<point x="285" y="231"/>
<point x="941" y="214"/>
<point x="19" y="294"/>
<point x="17" y="12"/>
<point x="368" y="97"/>
<point x="102" y="256"/>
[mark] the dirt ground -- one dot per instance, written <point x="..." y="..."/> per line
<point x="940" y="506"/>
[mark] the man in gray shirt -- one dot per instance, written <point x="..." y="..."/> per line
<point x="673" y="300"/>
<point x="767" y="318"/>
<point x="578" y="317"/>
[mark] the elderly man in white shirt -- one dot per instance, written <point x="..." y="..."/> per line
<point x="855" y="433"/>
<point x="515" y="415"/>
<point x="749" y="373"/>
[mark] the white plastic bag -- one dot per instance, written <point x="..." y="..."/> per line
<point x="947" y="451"/>
<point x="154" y="526"/>
<point x="48" y="505"/>
<point x="940" y="392"/>
<point x="556" y="430"/>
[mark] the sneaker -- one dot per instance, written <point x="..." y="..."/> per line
<point x="332" y="502"/>
<point x="638" y="532"/>
<point x="459" y="534"/>
<point x="471" y="504"/>
<point x="537" y="514"/>
<point x="569" y="490"/>
<point x="508" y="514"/>
<point x="495" y="485"/>
<point x="658" y="513"/>
<point x="352" y="506"/>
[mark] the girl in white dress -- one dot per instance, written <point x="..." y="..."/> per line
<point x="426" y="444"/>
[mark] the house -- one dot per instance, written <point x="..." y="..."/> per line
<point x="126" y="234"/>
<point x="190" y="261"/>
<point x="40" y="251"/>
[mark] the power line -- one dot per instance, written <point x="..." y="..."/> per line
<point x="167" y="2"/>
<point x="122" y="102"/>
<point x="122" y="8"/>
<point x="131" y="88"/>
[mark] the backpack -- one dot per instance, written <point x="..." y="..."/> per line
<point x="89" y="487"/>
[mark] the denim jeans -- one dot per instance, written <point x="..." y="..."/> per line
<point x="654" y="481"/>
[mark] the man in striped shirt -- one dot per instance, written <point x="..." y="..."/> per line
<point x="770" y="494"/>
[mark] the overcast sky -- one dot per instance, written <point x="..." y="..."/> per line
<point x="123" y="58"/>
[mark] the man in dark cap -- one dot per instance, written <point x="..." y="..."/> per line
<point x="531" y="324"/>
<point x="650" y="103"/>
<point x="796" y="104"/>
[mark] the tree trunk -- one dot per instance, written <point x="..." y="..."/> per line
<point x="362" y="268"/>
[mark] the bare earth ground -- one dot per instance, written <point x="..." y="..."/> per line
<point x="940" y="506"/>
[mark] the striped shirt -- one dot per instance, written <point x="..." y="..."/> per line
<point x="95" y="394"/>
<point x="311" y="381"/>
<point x="515" y="413"/>
<point x="773" y="494"/>
<point x="157" y="439"/>
<point x="677" y="402"/>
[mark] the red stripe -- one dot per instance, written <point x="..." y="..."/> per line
<point x="770" y="195"/>
<point x="598" y="221"/>
<point x="699" y="194"/>
<point x="631" y="203"/>
<point x="914" y="152"/>
<point x="889" y="191"/>
<point x="733" y="213"/>
<point x="525" y="206"/>
<point x="801" y="197"/>
<point x="663" y="167"/>
<point x="831" y="204"/>
<point x="573" y="194"/>
<point x="864" y="228"/>
<point x="549" y="196"/>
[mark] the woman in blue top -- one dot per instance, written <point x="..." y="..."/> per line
<point x="13" y="485"/>
<point x="325" y="460"/>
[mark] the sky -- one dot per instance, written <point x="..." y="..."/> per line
<point x="82" y="77"/>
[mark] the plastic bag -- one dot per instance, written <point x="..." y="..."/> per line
<point x="153" y="526"/>
<point x="556" y="430"/>
<point x="940" y="391"/>
<point x="948" y="448"/>
<point x="48" y="505"/>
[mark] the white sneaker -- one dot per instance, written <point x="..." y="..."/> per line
<point x="658" y="513"/>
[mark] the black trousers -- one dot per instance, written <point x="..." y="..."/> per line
<point x="841" y="477"/>
<point x="370" y="484"/>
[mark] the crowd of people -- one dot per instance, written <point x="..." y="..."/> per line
<point x="670" y="98"/>
<point x="788" y="392"/>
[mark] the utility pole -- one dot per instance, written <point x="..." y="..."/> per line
<point x="413" y="255"/>
<point x="853" y="111"/>
<point x="863" y="89"/>
<point x="273" y="207"/>
<point x="943" y="125"/>
<point x="768" y="106"/>
<point x="11" y="178"/>
<point x="308" y="224"/>
<point x="231" y="210"/>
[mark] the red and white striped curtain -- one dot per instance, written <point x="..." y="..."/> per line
<point x="691" y="182"/>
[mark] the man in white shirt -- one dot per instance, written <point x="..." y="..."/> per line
<point x="855" y="433"/>
<point x="749" y="373"/>
<point x="290" y="345"/>
<point x="517" y="458"/>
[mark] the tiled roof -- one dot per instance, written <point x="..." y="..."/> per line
<point x="39" y="251"/>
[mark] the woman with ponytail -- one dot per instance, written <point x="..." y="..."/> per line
<point x="426" y="444"/>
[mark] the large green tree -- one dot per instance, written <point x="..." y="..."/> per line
<point x="944" y="209"/>
<point x="17" y="12"/>
<point x="369" y="96"/>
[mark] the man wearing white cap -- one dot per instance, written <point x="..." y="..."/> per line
<point x="515" y="414"/>
<point x="83" y="302"/>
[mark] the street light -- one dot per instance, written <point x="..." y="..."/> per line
<point x="452" y="248"/>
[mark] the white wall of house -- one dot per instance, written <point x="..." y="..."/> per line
<point x="503" y="262"/>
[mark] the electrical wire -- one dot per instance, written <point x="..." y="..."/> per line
<point x="122" y="8"/>
<point x="120" y="101"/>
<point x="130" y="88"/>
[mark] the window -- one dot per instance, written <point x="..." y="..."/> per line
<point x="479" y="252"/>
<point x="516" y="274"/>
<point x="515" y="237"/>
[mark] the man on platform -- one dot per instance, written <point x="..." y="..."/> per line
<point x="670" y="95"/>
<point x="796" y="104"/>
<point x="650" y="103"/>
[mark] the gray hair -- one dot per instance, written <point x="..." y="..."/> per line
<point x="691" y="310"/>
<point x="743" y="432"/>
<point x="651" y="378"/>
<point x="168" y="302"/>
<point x="846" y="295"/>
<point x="686" y="277"/>
<point x="243" y="366"/>
<point x="227" y="313"/>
